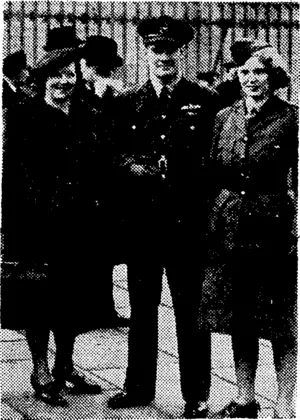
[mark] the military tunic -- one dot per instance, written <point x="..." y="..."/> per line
<point x="163" y="146"/>
<point x="253" y="217"/>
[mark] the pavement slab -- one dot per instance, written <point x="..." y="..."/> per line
<point x="102" y="356"/>
<point x="8" y="413"/>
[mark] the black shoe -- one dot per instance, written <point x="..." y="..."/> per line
<point x="126" y="400"/>
<point x="234" y="410"/>
<point x="116" y="321"/>
<point x="193" y="411"/>
<point x="48" y="393"/>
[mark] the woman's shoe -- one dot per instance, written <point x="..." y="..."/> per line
<point x="48" y="393"/>
<point x="234" y="410"/>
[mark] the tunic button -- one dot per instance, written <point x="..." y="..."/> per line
<point x="242" y="174"/>
<point x="133" y="127"/>
<point x="245" y="138"/>
<point x="162" y="136"/>
<point x="243" y="192"/>
<point x="163" y="117"/>
<point x="192" y="127"/>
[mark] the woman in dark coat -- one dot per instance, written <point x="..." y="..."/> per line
<point x="253" y="231"/>
<point x="56" y="164"/>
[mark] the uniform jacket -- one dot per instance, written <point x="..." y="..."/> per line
<point x="173" y="143"/>
<point x="254" y="178"/>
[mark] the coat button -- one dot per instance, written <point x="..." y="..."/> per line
<point x="192" y="127"/>
<point x="133" y="127"/>
<point x="242" y="174"/>
<point x="163" y="116"/>
<point x="162" y="136"/>
<point x="245" y="138"/>
<point x="243" y="192"/>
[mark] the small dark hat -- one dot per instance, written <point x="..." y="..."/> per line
<point x="14" y="63"/>
<point x="102" y="51"/>
<point x="230" y="64"/>
<point x="243" y="49"/>
<point x="165" y="29"/>
<point x="63" y="37"/>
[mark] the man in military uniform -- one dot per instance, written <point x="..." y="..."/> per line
<point x="164" y="142"/>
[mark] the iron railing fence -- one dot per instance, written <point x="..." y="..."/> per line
<point x="216" y="25"/>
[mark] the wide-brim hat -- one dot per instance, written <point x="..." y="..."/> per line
<point x="101" y="51"/>
<point x="165" y="29"/>
<point x="243" y="49"/>
<point x="14" y="63"/>
<point x="54" y="59"/>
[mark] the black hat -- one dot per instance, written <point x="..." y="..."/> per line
<point x="243" y="49"/>
<point x="102" y="51"/>
<point x="230" y="64"/>
<point x="165" y="29"/>
<point x="63" y="37"/>
<point x="14" y="63"/>
<point x="55" y="59"/>
<point x="61" y="48"/>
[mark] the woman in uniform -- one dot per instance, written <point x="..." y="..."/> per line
<point x="253" y="231"/>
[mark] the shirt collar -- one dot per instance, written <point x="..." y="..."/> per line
<point x="10" y="83"/>
<point x="158" y="85"/>
<point x="253" y="107"/>
<point x="100" y="86"/>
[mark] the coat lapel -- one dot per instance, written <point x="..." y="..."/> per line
<point x="234" y="131"/>
<point x="146" y="96"/>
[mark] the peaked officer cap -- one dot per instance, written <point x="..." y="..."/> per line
<point x="167" y="29"/>
<point x="100" y="51"/>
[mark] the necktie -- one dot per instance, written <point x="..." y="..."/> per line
<point x="165" y="96"/>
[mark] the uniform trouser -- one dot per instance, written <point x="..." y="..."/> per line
<point x="194" y="345"/>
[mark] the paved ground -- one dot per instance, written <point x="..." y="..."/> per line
<point x="102" y="355"/>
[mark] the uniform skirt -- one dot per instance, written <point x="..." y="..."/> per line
<point x="251" y="277"/>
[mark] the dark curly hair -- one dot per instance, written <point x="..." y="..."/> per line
<point x="39" y="76"/>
